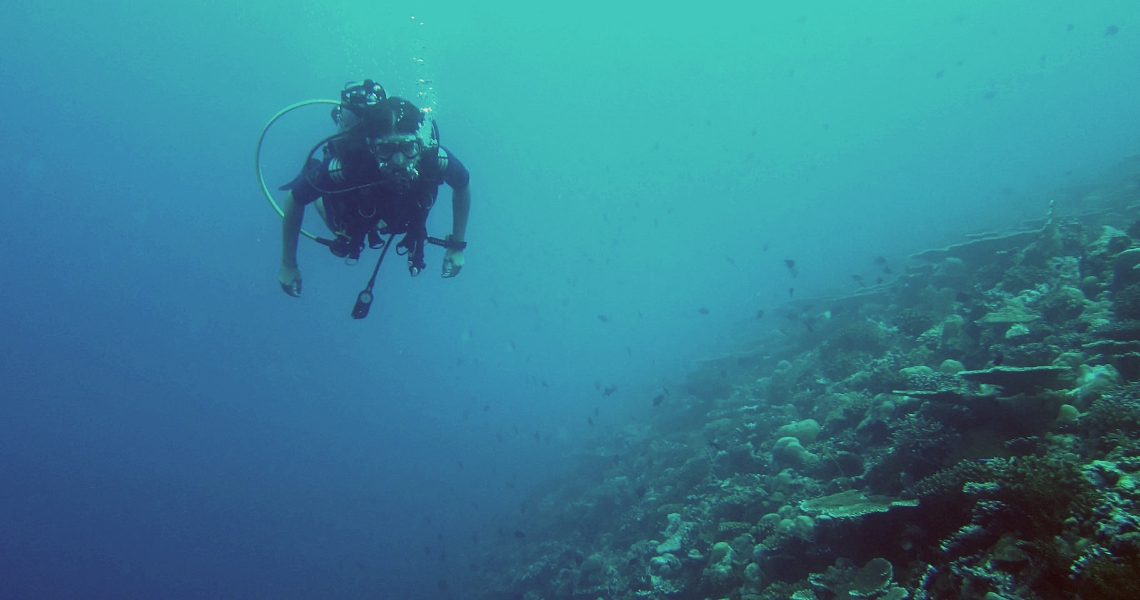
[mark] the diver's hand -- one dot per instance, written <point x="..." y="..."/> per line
<point x="452" y="259"/>
<point x="290" y="280"/>
<point x="452" y="263"/>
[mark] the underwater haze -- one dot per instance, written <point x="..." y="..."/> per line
<point x="173" y="426"/>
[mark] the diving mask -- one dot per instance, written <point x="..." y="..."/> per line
<point x="391" y="148"/>
<point x="397" y="157"/>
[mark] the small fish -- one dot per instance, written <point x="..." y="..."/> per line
<point x="703" y="310"/>
<point x="939" y="74"/>
<point x="510" y="485"/>
<point x="879" y="260"/>
<point x="1111" y="30"/>
<point x="597" y="411"/>
<point x="765" y="248"/>
<point x="519" y="535"/>
<point x="878" y="280"/>
<point x="998" y="359"/>
<point x="590" y="420"/>
<point x="730" y="260"/>
<point x="1069" y="27"/>
<point x="603" y="318"/>
<point x="460" y="463"/>
<point x="439" y="536"/>
<point x="537" y="437"/>
<point x="658" y="399"/>
<point x="609" y="390"/>
<point x="760" y="314"/>
<point x="791" y="292"/>
<point x="359" y="565"/>
<point x="791" y="264"/>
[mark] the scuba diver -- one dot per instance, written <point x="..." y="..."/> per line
<point x="378" y="175"/>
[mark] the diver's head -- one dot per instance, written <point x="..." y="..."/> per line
<point x="397" y="136"/>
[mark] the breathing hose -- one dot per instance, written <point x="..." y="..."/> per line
<point x="257" y="155"/>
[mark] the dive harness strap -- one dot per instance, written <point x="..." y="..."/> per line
<point x="413" y="247"/>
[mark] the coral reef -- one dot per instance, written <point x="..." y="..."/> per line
<point x="969" y="430"/>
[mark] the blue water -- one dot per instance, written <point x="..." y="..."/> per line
<point x="173" y="426"/>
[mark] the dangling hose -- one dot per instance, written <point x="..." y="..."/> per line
<point x="364" y="298"/>
<point x="257" y="155"/>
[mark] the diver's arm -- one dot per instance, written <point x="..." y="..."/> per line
<point x="460" y="207"/>
<point x="289" y="276"/>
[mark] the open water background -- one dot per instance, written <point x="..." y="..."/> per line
<point x="173" y="426"/>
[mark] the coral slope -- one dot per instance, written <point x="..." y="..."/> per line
<point x="968" y="430"/>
